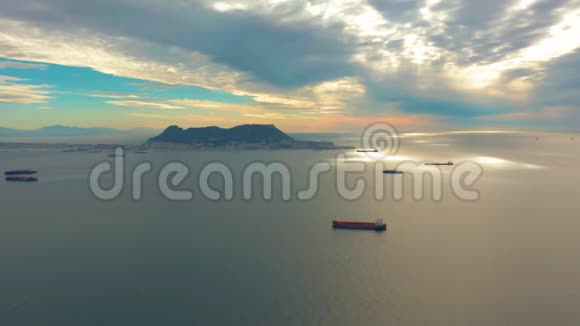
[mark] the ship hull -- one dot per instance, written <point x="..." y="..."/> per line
<point x="448" y="163"/>
<point x="19" y="172"/>
<point x="359" y="226"/>
<point x="21" y="179"/>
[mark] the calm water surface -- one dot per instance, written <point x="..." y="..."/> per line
<point x="510" y="258"/>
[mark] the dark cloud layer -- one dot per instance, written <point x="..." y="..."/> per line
<point x="560" y="85"/>
<point x="285" y="55"/>
<point x="397" y="10"/>
<point x="491" y="33"/>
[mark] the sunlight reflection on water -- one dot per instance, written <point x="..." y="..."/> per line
<point x="499" y="162"/>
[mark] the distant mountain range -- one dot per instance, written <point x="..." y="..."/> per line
<point x="66" y="131"/>
<point x="251" y="136"/>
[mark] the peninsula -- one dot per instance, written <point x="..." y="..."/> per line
<point x="250" y="136"/>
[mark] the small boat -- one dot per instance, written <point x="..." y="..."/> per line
<point x="378" y="225"/>
<point x="19" y="172"/>
<point x="141" y="152"/>
<point x="439" y="163"/>
<point x="367" y="150"/>
<point x="393" y="172"/>
<point x="115" y="155"/>
<point x="22" y="179"/>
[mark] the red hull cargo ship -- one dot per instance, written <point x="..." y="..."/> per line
<point x="378" y="225"/>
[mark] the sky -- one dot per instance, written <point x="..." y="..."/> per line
<point x="305" y="66"/>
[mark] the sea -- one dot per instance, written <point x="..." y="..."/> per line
<point x="505" y="251"/>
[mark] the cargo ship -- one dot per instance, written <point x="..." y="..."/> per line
<point x="378" y="225"/>
<point x="440" y="163"/>
<point x="22" y="179"/>
<point x="367" y="150"/>
<point x="19" y="172"/>
<point x="393" y="172"/>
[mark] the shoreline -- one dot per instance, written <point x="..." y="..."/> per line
<point x="71" y="147"/>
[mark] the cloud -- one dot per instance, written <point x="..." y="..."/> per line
<point x="152" y="105"/>
<point x="201" y="104"/>
<point x="217" y="108"/>
<point x="545" y="114"/>
<point x="332" y="95"/>
<point x="268" y="116"/>
<point x="286" y="55"/>
<point x="454" y="59"/>
<point x="122" y="57"/>
<point x="20" y="65"/>
<point x="559" y="84"/>
<point x="13" y="90"/>
<point x="283" y="101"/>
<point x="114" y="95"/>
